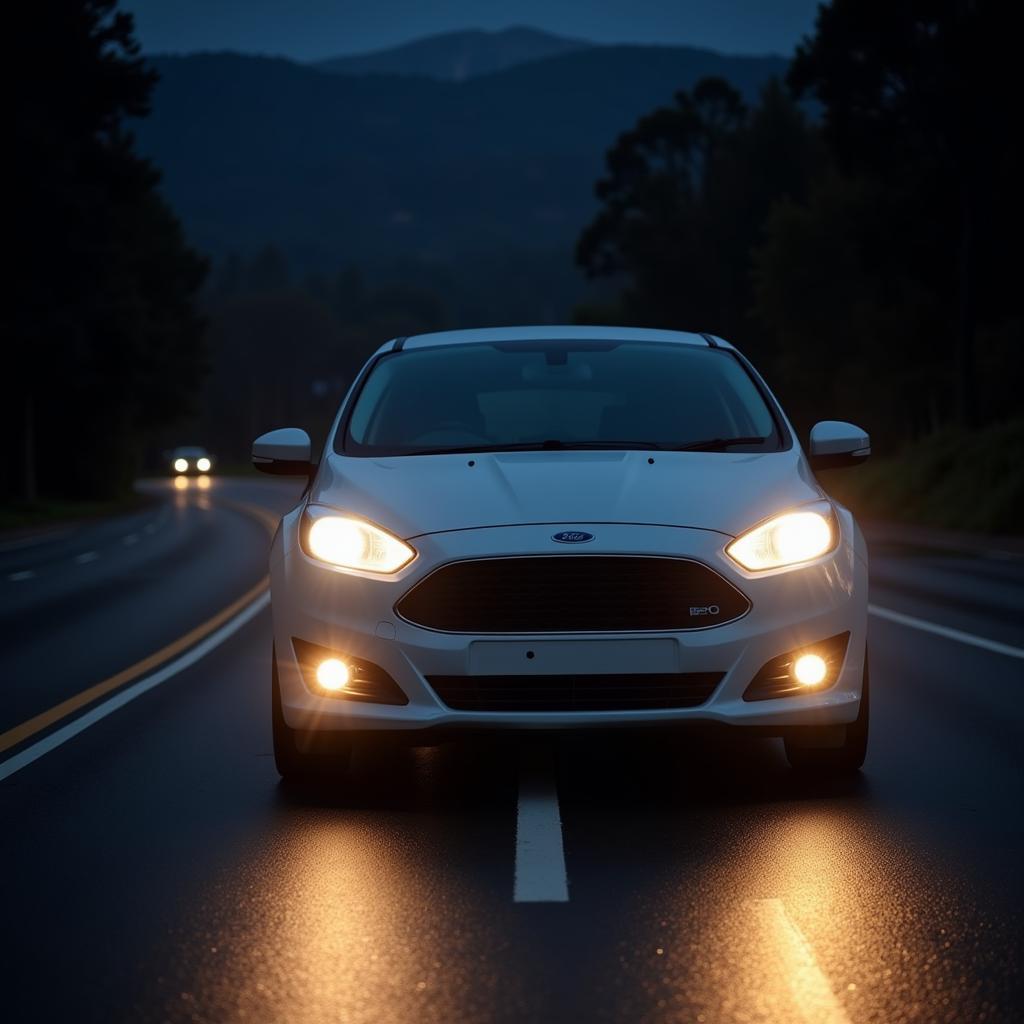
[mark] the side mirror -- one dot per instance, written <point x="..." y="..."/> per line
<point x="284" y="452"/>
<point x="835" y="444"/>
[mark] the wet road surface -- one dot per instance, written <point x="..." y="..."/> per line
<point x="155" y="869"/>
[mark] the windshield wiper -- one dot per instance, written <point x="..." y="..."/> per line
<point x="708" y="444"/>
<point x="555" y="445"/>
<point x="713" y="444"/>
<point x="474" y="449"/>
<point x="550" y="445"/>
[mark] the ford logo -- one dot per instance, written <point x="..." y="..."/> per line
<point x="572" y="537"/>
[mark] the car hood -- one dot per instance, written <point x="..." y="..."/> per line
<point x="414" y="495"/>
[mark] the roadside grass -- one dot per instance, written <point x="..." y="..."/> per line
<point x="966" y="480"/>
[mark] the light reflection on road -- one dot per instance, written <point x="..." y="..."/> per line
<point x="813" y="918"/>
<point x="191" y="492"/>
<point x="341" y="920"/>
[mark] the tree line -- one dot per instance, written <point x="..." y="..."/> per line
<point x="121" y="341"/>
<point x="101" y="328"/>
<point x="854" y="231"/>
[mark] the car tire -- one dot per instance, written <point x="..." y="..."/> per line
<point x="806" y="748"/>
<point x="304" y="756"/>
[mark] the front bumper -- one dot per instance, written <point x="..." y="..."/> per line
<point x="355" y="615"/>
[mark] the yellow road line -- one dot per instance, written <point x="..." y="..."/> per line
<point x="67" y="707"/>
<point x="45" y="719"/>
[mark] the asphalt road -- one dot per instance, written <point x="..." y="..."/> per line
<point x="154" y="868"/>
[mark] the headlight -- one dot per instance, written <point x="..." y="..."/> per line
<point x="352" y="543"/>
<point x="789" y="539"/>
<point x="181" y="465"/>
<point x="203" y="465"/>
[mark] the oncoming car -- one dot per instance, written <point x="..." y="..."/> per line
<point x="566" y="528"/>
<point x="191" y="460"/>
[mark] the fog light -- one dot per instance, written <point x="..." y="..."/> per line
<point x="810" y="669"/>
<point x="332" y="674"/>
<point x="181" y="465"/>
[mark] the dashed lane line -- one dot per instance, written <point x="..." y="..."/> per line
<point x="540" y="875"/>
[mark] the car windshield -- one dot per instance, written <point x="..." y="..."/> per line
<point x="558" y="394"/>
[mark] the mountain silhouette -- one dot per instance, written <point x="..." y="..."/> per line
<point x="456" y="56"/>
<point x="492" y="175"/>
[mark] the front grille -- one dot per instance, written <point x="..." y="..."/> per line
<point x="572" y="594"/>
<point x="631" y="692"/>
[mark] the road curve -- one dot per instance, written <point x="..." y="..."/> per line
<point x="155" y="869"/>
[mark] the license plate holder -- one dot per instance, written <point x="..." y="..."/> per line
<point x="573" y="657"/>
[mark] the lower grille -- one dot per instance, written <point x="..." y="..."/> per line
<point x="631" y="692"/>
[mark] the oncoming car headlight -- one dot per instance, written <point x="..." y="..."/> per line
<point x="352" y="543"/>
<point x="788" y="539"/>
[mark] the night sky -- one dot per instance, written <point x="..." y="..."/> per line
<point x="313" y="29"/>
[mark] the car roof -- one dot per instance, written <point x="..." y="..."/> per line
<point x="574" y="332"/>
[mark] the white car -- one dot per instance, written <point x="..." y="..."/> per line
<point x="566" y="528"/>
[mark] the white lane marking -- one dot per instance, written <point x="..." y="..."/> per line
<point x="540" y="860"/>
<point x="25" y="574"/>
<point x="948" y="632"/>
<point x="85" y="557"/>
<point x="808" y="986"/>
<point x="118" y="700"/>
<point x="132" y="538"/>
